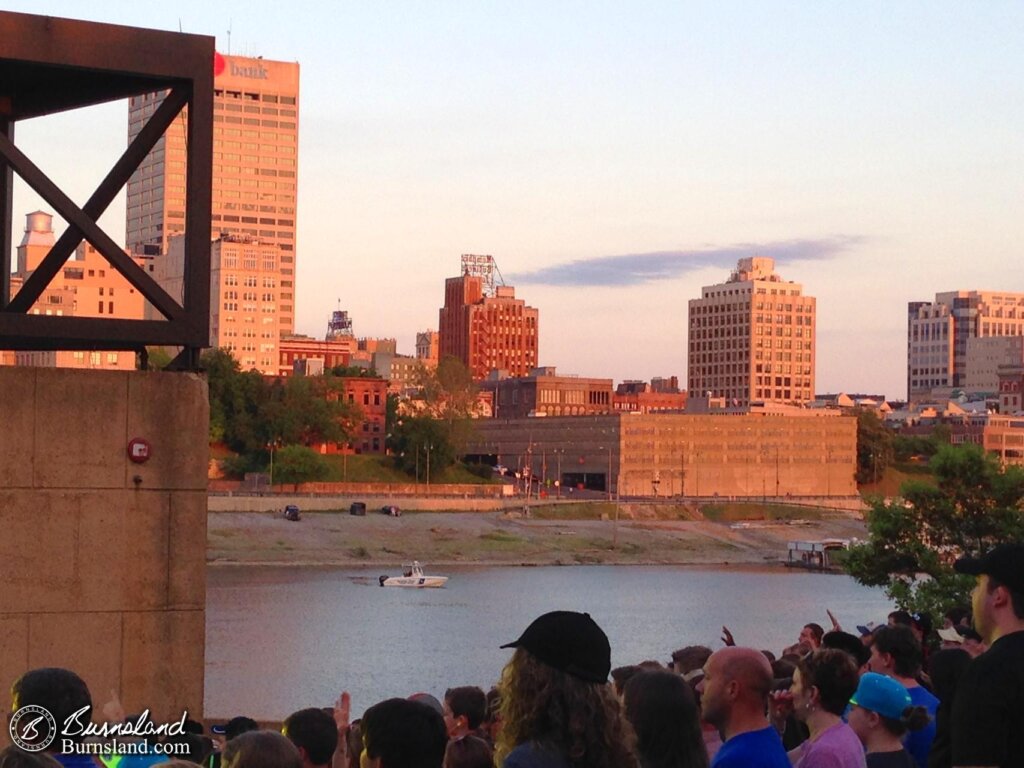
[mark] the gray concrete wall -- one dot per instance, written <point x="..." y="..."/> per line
<point x="102" y="561"/>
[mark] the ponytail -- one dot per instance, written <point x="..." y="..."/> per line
<point x="912" y="719"/>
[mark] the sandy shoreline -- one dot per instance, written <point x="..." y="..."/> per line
<point x="493" y="538"/>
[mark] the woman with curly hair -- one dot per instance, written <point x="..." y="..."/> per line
<point x="557" y="708"/>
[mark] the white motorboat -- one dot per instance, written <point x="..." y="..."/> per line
<point x="413" y="577"/>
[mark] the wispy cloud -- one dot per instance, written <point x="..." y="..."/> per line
<point x="636" y="268"/>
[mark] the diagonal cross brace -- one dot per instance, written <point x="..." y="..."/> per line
<point x="74" y="215"/>
<point x="99" y="201"/>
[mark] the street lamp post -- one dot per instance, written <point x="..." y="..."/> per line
<point x="429" y="446"/>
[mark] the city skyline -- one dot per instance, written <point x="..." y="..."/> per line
<point x="615" y="160"/>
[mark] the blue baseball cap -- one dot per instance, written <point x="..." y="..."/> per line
<point x="881" y="694"/>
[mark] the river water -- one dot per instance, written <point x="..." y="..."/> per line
<point x="279" y="639"/>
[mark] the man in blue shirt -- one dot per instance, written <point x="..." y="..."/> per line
<point x="734" y="698"/>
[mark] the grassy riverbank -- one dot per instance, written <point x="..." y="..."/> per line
<point x="567" y="534"/>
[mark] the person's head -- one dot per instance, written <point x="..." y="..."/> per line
<point x="896" y="652"/>
<point x="314" y="733"/>
<point x="663" y="712"/>
<point x="260" y="749"/>
<point x="468" y="752"/>
<point x="900" y="617"/>
<point x="354" y="742"/>
<point x="824" y="680"/>
<point x="956" y="617"/>
<point x="554" y="691"/>
<point x="997" y="601"/>
<point x="464" y="710"/>
<point x="921" y="624"/>
<point x="59" y="691"/>
<point x="236" y="726"/>
<point x="852" y="644"/>
<point x="15" y="757"/>
<point x="689" y="661"/>
<point x="811" y="635"/>
<point x="736" y="683"/>
<point x="881" y="703"/>
<point x="398" y="733"/>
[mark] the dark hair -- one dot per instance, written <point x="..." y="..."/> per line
<point x="14" y="757"/>
<point x="197" y="747"/>
<point x="1016" y="598"/>
<point x="663" y="711"/>
<point x="690" y="658"/>
<point x="852" y="644"/>
<point x="902" y="617"/>
<point x="467" y="701"/>
<point x="404" y="734"/>
<point x="834" y="673"/>
<point x="912" y="719"/>
<point x="314" y="731"/>
<point x="236" y="726"/>
<point x="493" y="704"/>
<point x="60" y="691"/>
<point x="783" y="668"/>
<point x="260" y="749"/>
<point x="958" y="614"/>
<point x="468" y="752"/>
<point x="817" y="630"/>
<point x="923" y="621"/>
<point x="900" y="642"/>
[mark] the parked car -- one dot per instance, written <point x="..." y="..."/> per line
<point x="391" y="509"/>
<point x="291" y="512"/>
<point x="357" y="508"/>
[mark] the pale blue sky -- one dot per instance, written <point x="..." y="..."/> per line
<point x="874" y="148"/>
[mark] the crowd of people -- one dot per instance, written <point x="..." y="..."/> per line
<point x="903" y="694"/>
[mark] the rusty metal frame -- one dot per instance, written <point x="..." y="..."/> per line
<point x="49" y="65"/>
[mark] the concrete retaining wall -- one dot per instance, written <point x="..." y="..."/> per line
<point x="102" y="561"/>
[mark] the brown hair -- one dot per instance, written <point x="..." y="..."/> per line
<point x="834" y="673"/>
<point x="260" y="749"/>
<point x="578" y="719"/>
<point x="15" y="757"/>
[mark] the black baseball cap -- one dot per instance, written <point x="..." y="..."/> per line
<point x="1005" y="563"/>
<point x="570" y="642"/>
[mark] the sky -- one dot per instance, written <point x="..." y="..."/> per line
<point x="615" y="157"/>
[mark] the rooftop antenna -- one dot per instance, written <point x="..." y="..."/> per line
<point x="230" y="24"/>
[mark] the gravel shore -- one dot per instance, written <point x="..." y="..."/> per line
<point x="504" y="538"/>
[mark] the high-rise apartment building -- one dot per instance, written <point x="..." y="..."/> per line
<point x="255" y="164"/>
<point x="487" y="328"/>
<point x="938" y="333"/>
<point x="752" y="338"/>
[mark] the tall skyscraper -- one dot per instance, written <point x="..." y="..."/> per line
<point x="484" y="325"/>
<point x="255" y="164"/>
<point x="939" y="335"/>
<point x="752" y="338"/>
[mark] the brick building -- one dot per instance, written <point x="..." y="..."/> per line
<point x="545" y="393"/>
<point x="487" y="329"/>
<point x="332" y="352"/>
<point x="641" y="397"/>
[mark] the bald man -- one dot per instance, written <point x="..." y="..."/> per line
<point x="734" y="699"/>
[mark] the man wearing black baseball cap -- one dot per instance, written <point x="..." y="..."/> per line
<point x="988" y="711"/>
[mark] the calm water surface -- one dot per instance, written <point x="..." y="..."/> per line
<point x="279" y="639"/>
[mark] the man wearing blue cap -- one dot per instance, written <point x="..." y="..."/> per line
<point x="988" y="711"/>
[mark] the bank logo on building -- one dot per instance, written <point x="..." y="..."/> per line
<point x="32" y="728"/>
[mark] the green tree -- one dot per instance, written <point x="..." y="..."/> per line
<point x="874" y="447"/>
<point x="450" y="395"/>
<point x="913" y="542"/>
<point x="416" y="437"/>
<point x="299" y="464"/>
